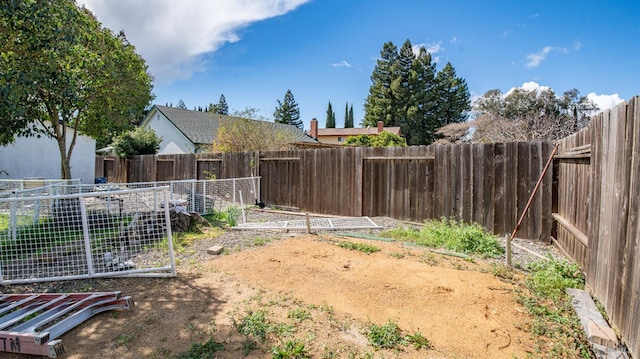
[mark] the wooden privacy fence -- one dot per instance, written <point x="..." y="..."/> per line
<point x="597" y="210"/>
<point x="486" y="183"/>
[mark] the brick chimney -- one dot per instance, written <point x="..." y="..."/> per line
<point x="380" y="126"/>
<point x="314" y="129"/>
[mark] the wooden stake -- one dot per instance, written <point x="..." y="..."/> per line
<point x="508" y="250"/>
<point x="308" y="223"/>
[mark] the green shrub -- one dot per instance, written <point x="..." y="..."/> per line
<point x="139" y="141"/>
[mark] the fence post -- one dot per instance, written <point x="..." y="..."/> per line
<point x="358" y="183"/>
<point x="87" y="239"/>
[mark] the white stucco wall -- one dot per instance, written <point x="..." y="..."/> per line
<point x="40" y="157"/>
<point x="173" y="141"/>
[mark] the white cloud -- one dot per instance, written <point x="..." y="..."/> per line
<point x="528" y="86"/>
<point x="172" y="36"/>
<point x="533" y="16"/>
<point x="342" y="63"/>
<point x="577" y="45"/>
<point x="533" y="60"/>
<point x="434" y="48"/>
<point x="454" y="40"/>
<point x="605" y="101"/>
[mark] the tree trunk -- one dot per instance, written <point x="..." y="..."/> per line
<point x="65" y="161"/>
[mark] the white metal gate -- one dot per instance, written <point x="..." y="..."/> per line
<point x="86" y="235"/>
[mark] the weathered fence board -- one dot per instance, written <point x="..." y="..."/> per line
<point x="598" y="208"/>
<point x="488" y="184"/>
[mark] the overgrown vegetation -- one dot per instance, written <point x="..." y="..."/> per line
<point x="555" y="327"/>
<point x="452" y="235"/>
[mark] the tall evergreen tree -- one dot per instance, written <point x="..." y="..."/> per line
<point x="331" y="117"/>
<point x="453" y="96"/>
<point x="181" y="105"/>
<point x="406" y="91"/>
<point x="221" y="108"/>
<point x="288" y="111"/>
<point x="349" y="122"/>
<point x="346" y="114"/>
<point x="379" y="105"/>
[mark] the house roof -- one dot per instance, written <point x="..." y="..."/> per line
<point x="202" y="127"/>
<point x="356" y="131"/>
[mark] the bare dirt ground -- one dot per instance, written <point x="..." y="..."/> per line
<point x="459" y="305"/>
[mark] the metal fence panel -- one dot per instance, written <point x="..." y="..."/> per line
<point x="86" y="235"/>
<point x="202" y="196"/>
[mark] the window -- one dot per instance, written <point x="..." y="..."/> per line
<point x="340" y="139"/>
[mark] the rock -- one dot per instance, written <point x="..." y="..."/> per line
<point x="215" y="250"/>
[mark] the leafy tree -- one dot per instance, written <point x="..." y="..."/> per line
<point x="288" y="112"/>
<point x="407" y="92"/>
<point x="250" y="113"/>
<point x="384" y="139"/>
<point x="139" y="141"/>
<point x="524" y="115"/>
<point x="181" y="105"/>
<point x="61" y="71"/>
<point x="331" y="117"/>
<point x="242" y="134"/>
<point x="221" y="107"/>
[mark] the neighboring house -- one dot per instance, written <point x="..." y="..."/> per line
<point x="187" y="131"/>
<point x="33" y="157"/>
<point x="338" y="136"/>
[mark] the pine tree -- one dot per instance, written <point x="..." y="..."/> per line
<point x="349" y="123"/>
<point x="406" y="91"/>
<point x="331" y="117"/>
<point x="181" y="105"/>
<point x="223" y="108"/>
<point x="453" y="96"/>
<point x="379" y="103"/>
<point x="288" y="112"/>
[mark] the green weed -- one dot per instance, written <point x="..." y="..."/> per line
<point x="291" y="349"/>
<point x="418" y="341"/>
<point x="200" y="351"/>
<point x="299" y="315"/>
<point x="354" y="246"/>
<point x="555" y="327"/>
<point x="386" y="336"/>
<point x="254" y="324"/>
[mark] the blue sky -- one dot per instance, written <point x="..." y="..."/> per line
<point x="253" y="51"/>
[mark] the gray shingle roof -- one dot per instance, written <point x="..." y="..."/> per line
<point x="202" y="127"/>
